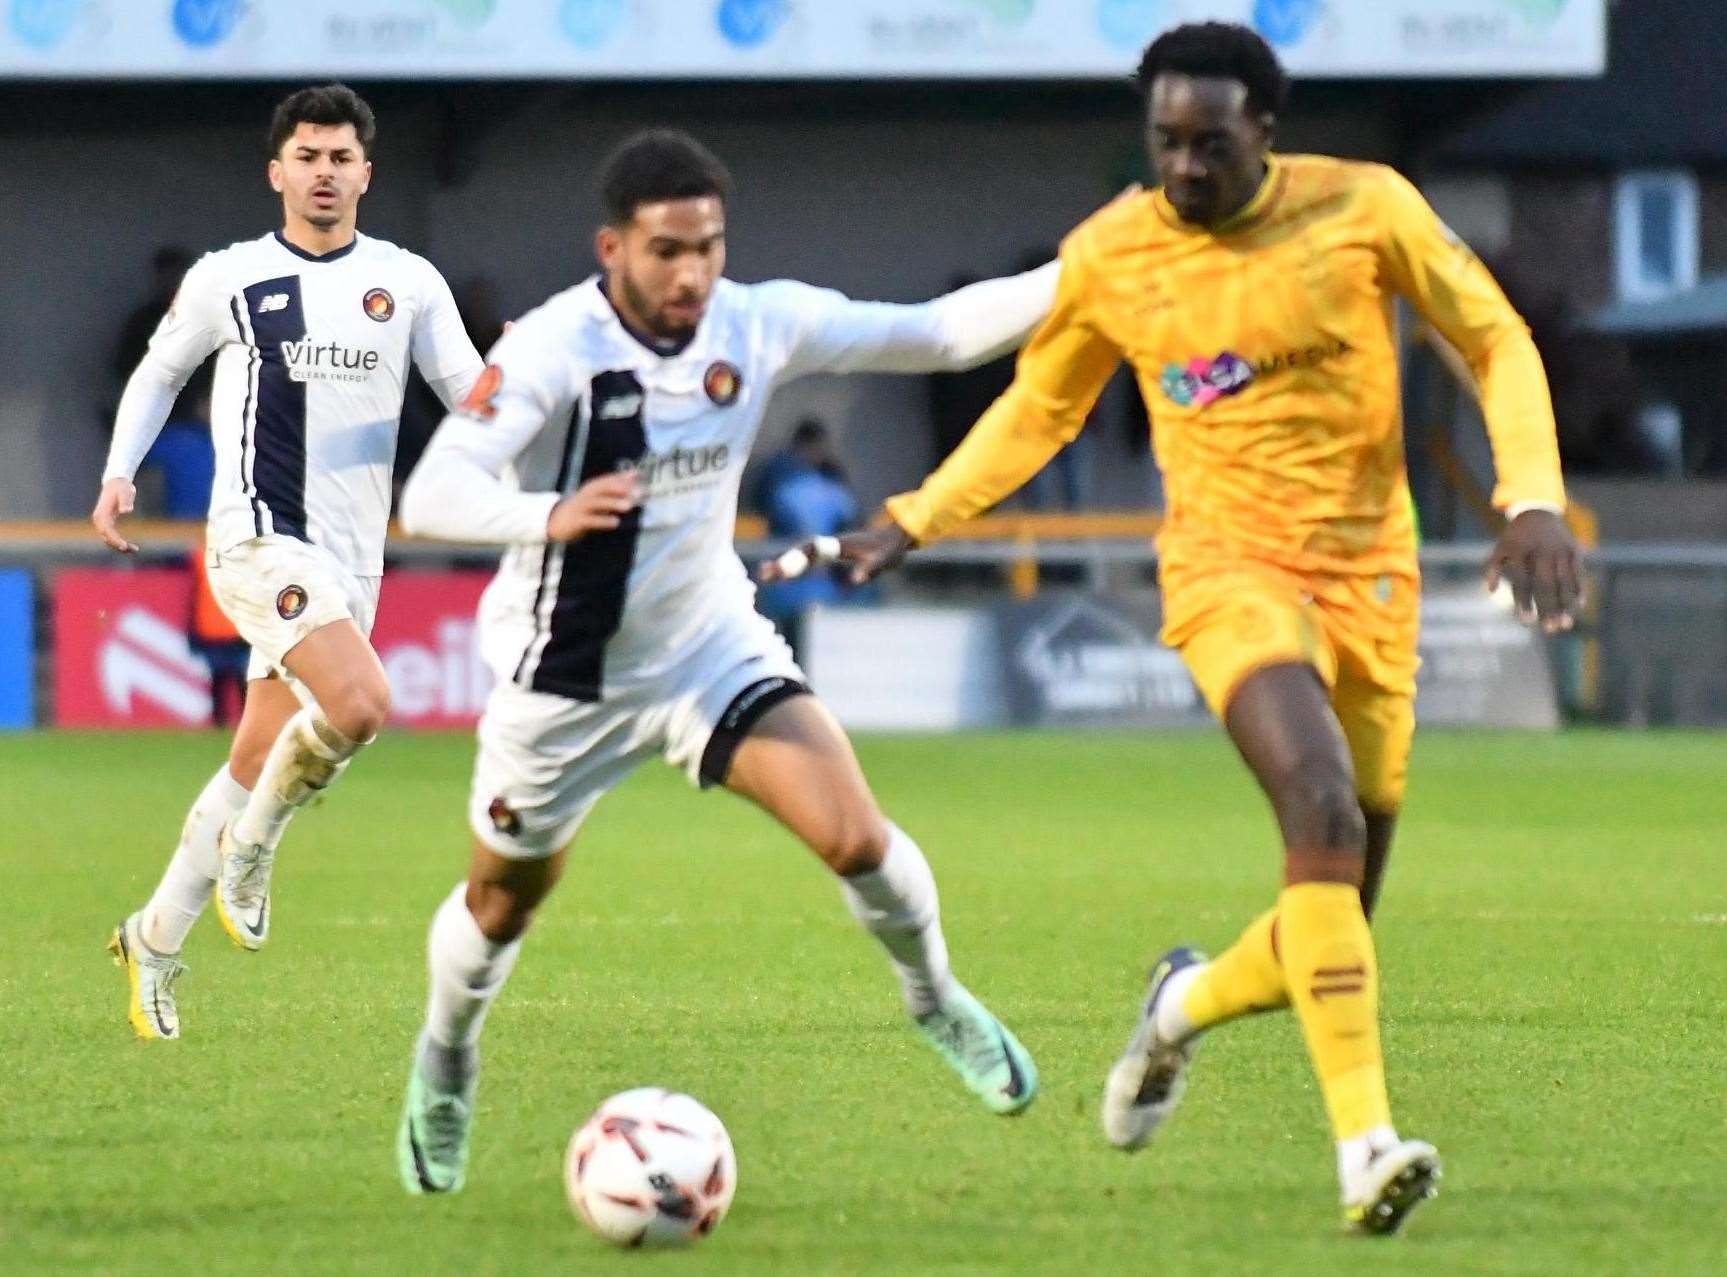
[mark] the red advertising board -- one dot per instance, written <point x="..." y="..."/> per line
<point x="426" y="637"/>
<point x="121" y="656"/>
<point x="122" y="659"/>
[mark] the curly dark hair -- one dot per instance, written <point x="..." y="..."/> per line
<point x="1219" y="50"/>
<point x="322" y="104"/>
<point x="656" y="165"/>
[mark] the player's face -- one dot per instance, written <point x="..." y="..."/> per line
<point x="1207" y="147"/>
<point x="321" y="172"/>
<point x="662" y="265"/>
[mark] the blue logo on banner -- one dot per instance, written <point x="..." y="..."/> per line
<point x="1285" y="22"/>
<point x="42" y="24"/>
<point x="751" y="23"/>
<point x="1131" y="24"/>
<point x="590" y="23"/>
<point x="203" y="24"/>
<point x="17" y="648"/>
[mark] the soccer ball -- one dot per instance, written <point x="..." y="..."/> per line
<point x="651" y="1167"/>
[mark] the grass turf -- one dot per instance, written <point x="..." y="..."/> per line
<point x="1553" y="937"/>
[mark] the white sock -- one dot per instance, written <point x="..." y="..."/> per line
<point x="1171" y="1023"/>
<point x="185" y="888"/>
<point x="1354" y="1155"/>
<point x="897" y="904"/>
<point x="305" y="759"/>
<point x="466" y="969"/>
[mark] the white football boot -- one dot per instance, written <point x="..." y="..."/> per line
<point x="1379" y="1195"/>
<point x="242" y="893"/>
<point x="151" y="977"/>
<point x="1147" y="1082"/>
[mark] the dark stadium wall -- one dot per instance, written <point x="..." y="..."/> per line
<point x="886" y="199"/>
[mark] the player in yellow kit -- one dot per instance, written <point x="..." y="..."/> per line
<point x="1252" y="293"/>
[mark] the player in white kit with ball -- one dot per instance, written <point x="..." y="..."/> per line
<point x="605" y="444"/>
<point x="313" y="328"/>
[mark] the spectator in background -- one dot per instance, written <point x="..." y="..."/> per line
<point x="802" y="492"/>
<point x="182" y="455"/>
<point x="958" y="399"/>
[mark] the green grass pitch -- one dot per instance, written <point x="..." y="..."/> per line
<point x="1553" y="939"/>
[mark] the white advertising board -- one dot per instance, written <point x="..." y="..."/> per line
<point x="1082" y="661"/>
<point x="744" y="39"/>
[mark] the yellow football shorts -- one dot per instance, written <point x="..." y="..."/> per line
<point x="1358" y="633"/>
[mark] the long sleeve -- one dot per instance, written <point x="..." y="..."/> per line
<point x="1447" y="283"/>
<point x="189" y="333"/>
<point x="459" y="491"/>
<point x="970" y="326"/>
<point x="144" y="407"/>
<point x="1060" y="374"/>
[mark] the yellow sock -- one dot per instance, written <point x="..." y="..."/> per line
<point x="1245" y="977"/>
<point x="1333" y="980"/>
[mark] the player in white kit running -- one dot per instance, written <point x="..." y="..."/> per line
<point x="313" y="328"/>
<point x="604" y="445"/>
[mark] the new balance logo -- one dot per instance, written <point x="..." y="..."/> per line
<point x="620" y="408"/>
<point x="275" y="301"/>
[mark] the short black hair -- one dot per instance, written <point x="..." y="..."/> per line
<point x="1218" y="50"/>
<point x="657" y="165"/>
<point x="322" y="104"/>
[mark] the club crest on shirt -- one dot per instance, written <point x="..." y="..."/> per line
<point x="723" y="382"/>
<point x="379" y="305"/>
<point x="291" y="602"/>
<point x="505" y="819"/>
<point x="482" y="401"/>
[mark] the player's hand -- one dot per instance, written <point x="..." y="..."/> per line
<point x="868" y="554"/>
<point x="117" y="498"/>
<point x="1537" y="556"/>
<point x="599" y="505"/>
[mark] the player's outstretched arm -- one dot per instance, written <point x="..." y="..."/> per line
<point x="1061" y="372"/>
<point x="832" y="333"/>
<point x="953" y="332"/>
<point x="868" y="554"/>
<point x="977" y="323"/>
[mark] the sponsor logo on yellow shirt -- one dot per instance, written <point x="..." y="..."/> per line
<point x="1201" y="381"/>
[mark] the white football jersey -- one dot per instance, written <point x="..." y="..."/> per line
<point x="310" y="374"/>
<point x="570" y="393"/>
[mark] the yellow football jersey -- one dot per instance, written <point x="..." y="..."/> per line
<point x="1267" y="354"/>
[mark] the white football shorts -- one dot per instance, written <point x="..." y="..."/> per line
<point x="545" y="760"/>
<point x="277" y="590"/>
